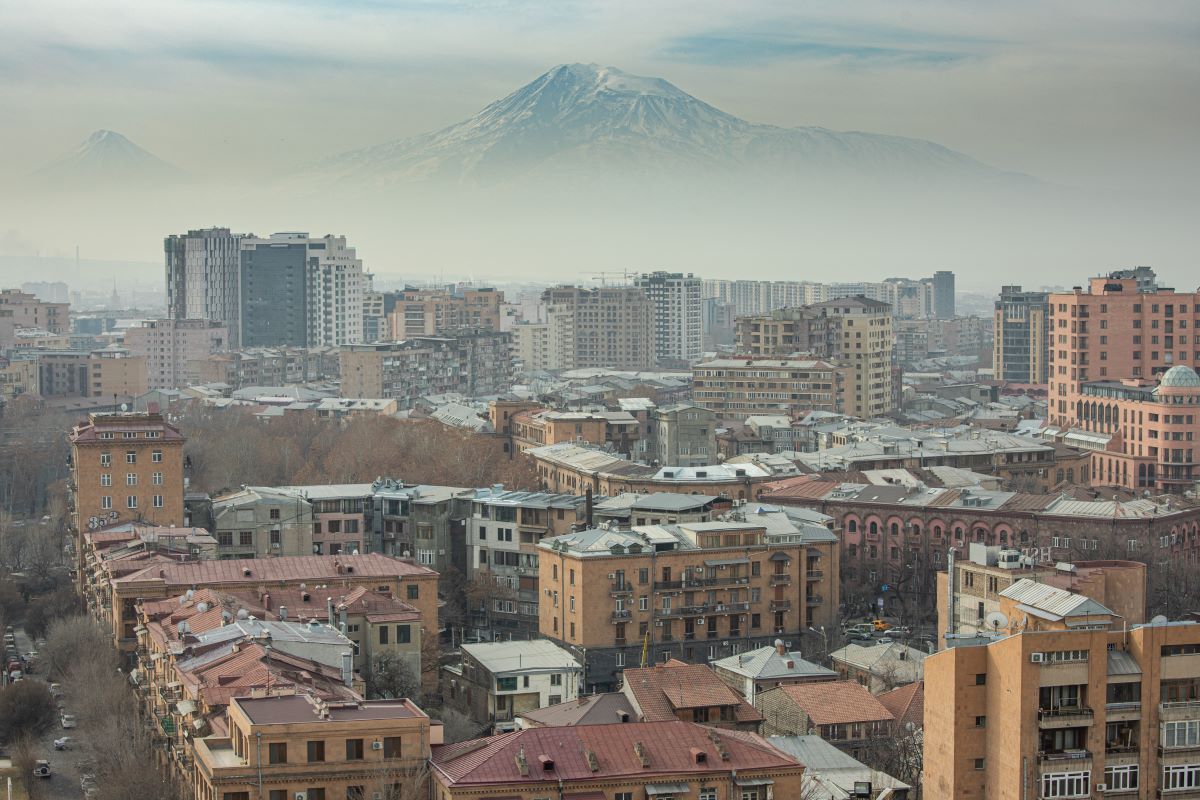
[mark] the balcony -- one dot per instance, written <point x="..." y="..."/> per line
<point x="813" y="599"/>
<point x="622" y="615"/>
<point x="779" y="579"/>
<point x="167" y="723"/>
<point x="732" y="580"/>
<point x="1122" y="712"/>
<point x="1178" y="710"/>
<point x="621" y="590"/>
<point x="814" y="574"/>
<point x="780" y="605"/>
<point x="1066" y="760"/>
<point x="1069" y="717"/>
<point x="667" y="586"/>
<point x="1180" y="667"/>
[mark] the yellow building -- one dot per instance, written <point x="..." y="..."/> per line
<point x="1064" y="700"/>
<point x="281" y="747"/>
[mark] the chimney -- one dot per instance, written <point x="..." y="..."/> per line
<point x="780" y="648"/>
<point x="267" y="600"/>
<point x="587" y="508"/>
<point x="348" y="669"/>
<point x="283" y="613"/>
<point x="329" y="606"/>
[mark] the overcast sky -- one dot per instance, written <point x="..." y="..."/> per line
<point x="1085" y="93"/>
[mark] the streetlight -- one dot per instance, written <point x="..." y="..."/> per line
<point x="824" y="639"/>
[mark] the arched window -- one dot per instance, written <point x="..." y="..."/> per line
<point x="874" y="528"/>
<point x="852" y="525"/>
<point x="895" y="529"/>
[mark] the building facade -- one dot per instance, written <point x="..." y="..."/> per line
<point x="684" y="435"/>
<point x="692" y="591"/>
<point x="678" y="328"/>
<point x="472" y="363"/>
<point x="173" y="347"/>
<point x="496" y="682"/>
<point x="429" y="312"/>
<point x="126" y="467"/>
<point x="204" y="277"/>
<point x="943" y="294"/>
<point x="30" y="312"/>
<point x="1022" y="341"/>
<point x="610" y="327"/>
<point x="736" y="388"/>
<point x="259" y="522"/>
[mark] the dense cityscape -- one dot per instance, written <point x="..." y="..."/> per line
<point x="599" y="401"/>
<point x="422" y="542"/>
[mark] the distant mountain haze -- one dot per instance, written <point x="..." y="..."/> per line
<point x="589" y="168"/>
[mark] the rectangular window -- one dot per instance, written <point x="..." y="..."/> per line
<point x="130" y="456"/>
<point x="413" y="591"/>
<point x="158" y="501"/>
<point x="1184" y="733"/>
<point x="157" y="479"/>
<point x="106" y="459"/>
<point x="278" y="794"/>
<point x="354" y="749"/>
<point x="383" y="634"/>
<point x="391" y="747"/>
<point x="246" y="538"/>
<point x="106" y="502"/>
<point x="225" y="538"/>
<point x="131" y="501"/>
<point x="315" y="793"/>
<point x="131" y="479"/>
<point x="1067" y="784"/>
<point x="156" y="456"/>
<point x="1181" y="776"/>
<point x="403" y="634"/>
<point x="277" y="753"/>
<point x="316" y="751"/>
<point x="106" y="479"/>
<point x="1120" y="778"/>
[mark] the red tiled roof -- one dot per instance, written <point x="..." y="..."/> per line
<point x="283" y="568"/>
<point x="836" y="702"/>
<point x="906" y="704"/>
<point x="661" y="690"/>
<point x="801" y="487"/>
<point x="667" y="747"/>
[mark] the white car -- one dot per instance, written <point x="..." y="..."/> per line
<point x="63" y="744"/>
<point x="68" y="721"/>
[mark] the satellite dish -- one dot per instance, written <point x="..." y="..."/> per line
<point x="1159" y="619"/>
<point x="124" y="407"/>
<point x="996" y="620"/>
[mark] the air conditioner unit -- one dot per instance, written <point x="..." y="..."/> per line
<point x="612" y="576"/>
<point x="1037" y="658"/>
<point x="700" y="621"/>
<point x="377" y="796"/>
<point x="658" y="623"/>
<point x="1101" y="787"/>
<point x="376" y="745"/>
<point x="301" y="795"/>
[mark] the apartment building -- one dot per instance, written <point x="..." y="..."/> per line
<point x="17" y="377"/>
<point x="736" y="388"/>
<point x="684" y="435"/>
<point x="1021" y="351"/>
<point x="204" y="277"/>
<point x="268" y="366"/>
<point x="879" y="666"/>
<point x="299" y="291"/>
<point x="102" y="374"/>
<point x="426" y="522"/>
<point x="496" y="682"/>
<point x="943" y="294"/>
<point x="261" y="522"/>
<point x="172" y="347"/>
<point x="296" y="745"/>
<point x="112" y="590"/>
<point x="471" y="363"/>
<point x="986" y="571"/>
<point x="1147" y="428"/>
<point x="785" y="331"/>
<point x="501" y="541"/>
<point x="678" y="328"/>
<point x="1119" y="327"/>
<point x="656" y="759"/>
<point x="536" y="427"/>
<point x="610" y="327"/>
<point x="926" y="297"/>
<point x="30" y="312"/>
<point x="867" y="347"/>
<point x="693" y="591"/>
<point x="754" y="672"/>
<point x="429" y="312"/>
<point x="126" y="467"/>
<point x="1065" y="700"/>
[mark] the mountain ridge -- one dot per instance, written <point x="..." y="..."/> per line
<point x="106" y="157"/>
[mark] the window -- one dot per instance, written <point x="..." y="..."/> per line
<point x="403" y="634"/>
<point x="158" y="501"/>
<point x="506" y="684"/>
<point x="354" y="749"/>
<point x="315" y="793"/>
<point x="391" y="747"/>
<point x="316" y="751"/>
<point x="1185" y="733"/>
<point x="414" y="592"/>
<point x="105" y="459"/>
<point x="620" y="660"/>
<point x="705" y="794"/>
<point x="643" y="603"/>
<point x="750" y="793"/>
<point x="356" y="793"/>
<point x="246" y="538"/>
<point x="643" y="575"/>
<point x="224" y="538"/>
<point x="131" y="479"/>
<point x="278" y="794"/>
<point x="106" y="479"/>
<point x="106" y="502"/>
<point x="629" y="795"/>
<point x="1182" y="776"/>
<point x="1123" y="777"/>
<point x="130" y="456"/>
<point x="981" y="722"/>
<point x="131" y="501"/>
<point x="980" y="678"/>
<point x="157" y="479"/>
<point x="235" y="796"/>
<point x="277" y="753"/>
<point x="383" y="634"/>
<point x="1066" y="784"/>
<point x="980" y="763"/>
<point x="156" y="456"/>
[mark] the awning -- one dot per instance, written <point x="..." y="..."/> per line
<point x="666" y="788"/>
<point x="185" y="707"/>
<point x="812" y="551"/>
<point x="753" y="781"/>
<point x="779" y="556"/>
<point x="726" y="562"/>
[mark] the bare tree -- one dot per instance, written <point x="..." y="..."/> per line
<point x="406" y="778"/>
<point x="388" y="675"/>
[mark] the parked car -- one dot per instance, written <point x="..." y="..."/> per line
<point x="881" y="625"/>
<point x="41" y="769"/>
<point x="56" y="690"/>
<point x="68" y="721"/>
<point x="859" y="636"/>
<point x="64" y="743"/>
<point x="861" y="627"/>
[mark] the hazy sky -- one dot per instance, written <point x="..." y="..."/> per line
<point x="1085" y="93"/>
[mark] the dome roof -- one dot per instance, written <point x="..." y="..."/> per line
<point x="1180" y="376"/>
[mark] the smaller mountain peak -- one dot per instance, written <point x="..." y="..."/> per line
<point x="610" y="79"/>
<point x="104" y="135"/>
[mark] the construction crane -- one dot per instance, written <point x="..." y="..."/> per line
<point x="625" y="275"/>
<point x="645" y="648"/>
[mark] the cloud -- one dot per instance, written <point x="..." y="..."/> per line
<point x="740" y="48"/>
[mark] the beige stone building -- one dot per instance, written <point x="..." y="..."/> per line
<point x="610" y="327"/>
<point x="30" y="312"/>
<point x="1064" y="700"/>
<point x="695" y="591"/>
<point x="174" y="348"/>
<point x="737" y="388"/>
<point x="427" y="312"/>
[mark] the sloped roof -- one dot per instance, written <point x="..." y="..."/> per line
<point x="518" y="657"/>
<point x="907" y="704"/>
<point x="901" y="662"/>
<point x="766" y="663"/>
<point x="1050" y="602"/>
<point x="661" y="690"/>
<point x="836" y="702"/>
<point x="597" y="709"/>
<point x="668" y="747"/>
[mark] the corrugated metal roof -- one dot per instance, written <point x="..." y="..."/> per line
<point x="1121" y="663"/>
<point x="1052" y="600"/>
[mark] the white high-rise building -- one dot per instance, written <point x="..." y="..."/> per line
<point x="678" y="325"/>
